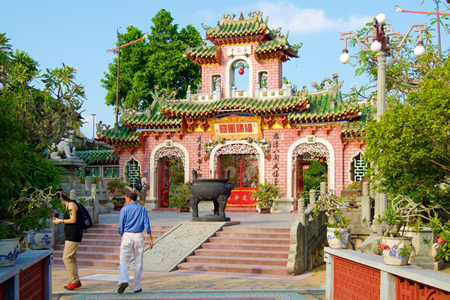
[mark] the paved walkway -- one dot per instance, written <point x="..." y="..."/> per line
<point x="104" y="281"/>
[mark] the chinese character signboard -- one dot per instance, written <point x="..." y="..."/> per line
<point x="235" y="128"/>
<point x="241" y="50"/>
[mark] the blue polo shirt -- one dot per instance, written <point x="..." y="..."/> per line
<point x="133" y="218"/>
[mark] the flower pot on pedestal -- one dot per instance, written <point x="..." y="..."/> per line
<point x="396" y="250"/>
<point x="40" y="240"/>
<point x="338" y="238"/>
<point x="9" y="250"/>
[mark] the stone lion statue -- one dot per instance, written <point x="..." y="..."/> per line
<point x="64" y="149"/>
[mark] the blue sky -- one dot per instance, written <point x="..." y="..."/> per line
<point x="78" y="33"/>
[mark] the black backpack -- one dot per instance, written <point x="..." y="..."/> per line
<point x="138" y="185"/>
<point x="83" y="218"/>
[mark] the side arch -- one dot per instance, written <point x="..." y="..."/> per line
<point x="331" y="161"/>
<point x="177" y="150"/>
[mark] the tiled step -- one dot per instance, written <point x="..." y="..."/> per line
<point x="255" y="229"/>
<point x="93" y="254"/>
<point x="100" y="246"/>
<point x="251" y="247"/>
<point x="244" y="240"/>
<point x="264" y="261"/>
<point x="239" y="249"/>
<point x="246" y="234"/>
<point x="241" y="253"/>
<point x="249" y="269"/>
<point x="85" y="262"/>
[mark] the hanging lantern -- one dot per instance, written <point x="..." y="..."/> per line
<point x="241" y="71"/>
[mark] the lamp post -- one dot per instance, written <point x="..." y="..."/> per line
<point x="93" y="127"/>
<point x="378" y="41"/>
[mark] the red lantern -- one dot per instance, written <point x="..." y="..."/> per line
<point x="241" y="71"/>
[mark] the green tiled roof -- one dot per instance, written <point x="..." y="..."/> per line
<point x="234" y="28"/>
<point x="278" y="44"/>
<point x="203" y="51"/>
<point x="320" y="109"/>
<point x="98" y="156"/>
<point x="249" y="105"/>
<point x="154" y="120"/>
<point x="119" y="136"/>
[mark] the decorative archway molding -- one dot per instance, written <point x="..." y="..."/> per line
<point x="228" y="75"/>
<point x="125" y="167"/>
<point x="176" y="150"/>
<point x="320" y="146"/>
<point x="238" y="147"/>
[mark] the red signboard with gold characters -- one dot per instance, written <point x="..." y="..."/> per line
<point x="235" y="127"/>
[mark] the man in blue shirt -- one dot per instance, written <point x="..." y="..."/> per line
<point x="133" y="219"/>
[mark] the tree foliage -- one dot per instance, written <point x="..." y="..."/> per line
<point x="31" y="120"/>
<point x="158" y="60"/>
<point x="410" y="146"/>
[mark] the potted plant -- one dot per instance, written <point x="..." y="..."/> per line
<point x="401" y="217"/>
<point x="117" y="189"/>
<point x="179" y="197"/>
<point x="29" y="214"/>
<point x="265" y="195"/>
<point x="338" y="233"/>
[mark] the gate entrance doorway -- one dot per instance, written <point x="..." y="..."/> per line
<point x="170" y="171"/>
<point x="244" y="175"/>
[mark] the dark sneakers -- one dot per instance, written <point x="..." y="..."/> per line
<point x="122" y="287"/>
<point x="138" y="291"/>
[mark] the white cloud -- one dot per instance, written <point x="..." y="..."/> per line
<point x="299" y="20"/>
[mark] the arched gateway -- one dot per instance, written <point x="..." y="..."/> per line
<point x="260" y="132"/>
<point x="160" y="152"/>
<point x="303" y="147"/>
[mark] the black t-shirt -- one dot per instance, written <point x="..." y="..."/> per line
<point x="72" y="232"/>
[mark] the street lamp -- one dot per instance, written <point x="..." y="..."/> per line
<point x="93" y="127"/>
<point x="378" y="42"/>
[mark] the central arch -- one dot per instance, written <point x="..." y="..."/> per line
<point x="237" y="147"/>
<point x="303" y="146"/>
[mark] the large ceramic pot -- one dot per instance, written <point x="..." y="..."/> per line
<point x="392" y="250"/>
<point x="9" y="250"/>
<point x="338" y="238"/>
<point x="41" y="239"/>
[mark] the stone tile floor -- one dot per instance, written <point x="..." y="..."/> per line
<point x="103" y="281"/>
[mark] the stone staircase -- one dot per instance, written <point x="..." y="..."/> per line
<point x="101" y="246"/>
<point x="243" y="250"/>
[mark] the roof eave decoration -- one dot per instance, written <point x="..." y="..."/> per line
<point x="230" y="31"/>
<point x="204" y="55"/>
